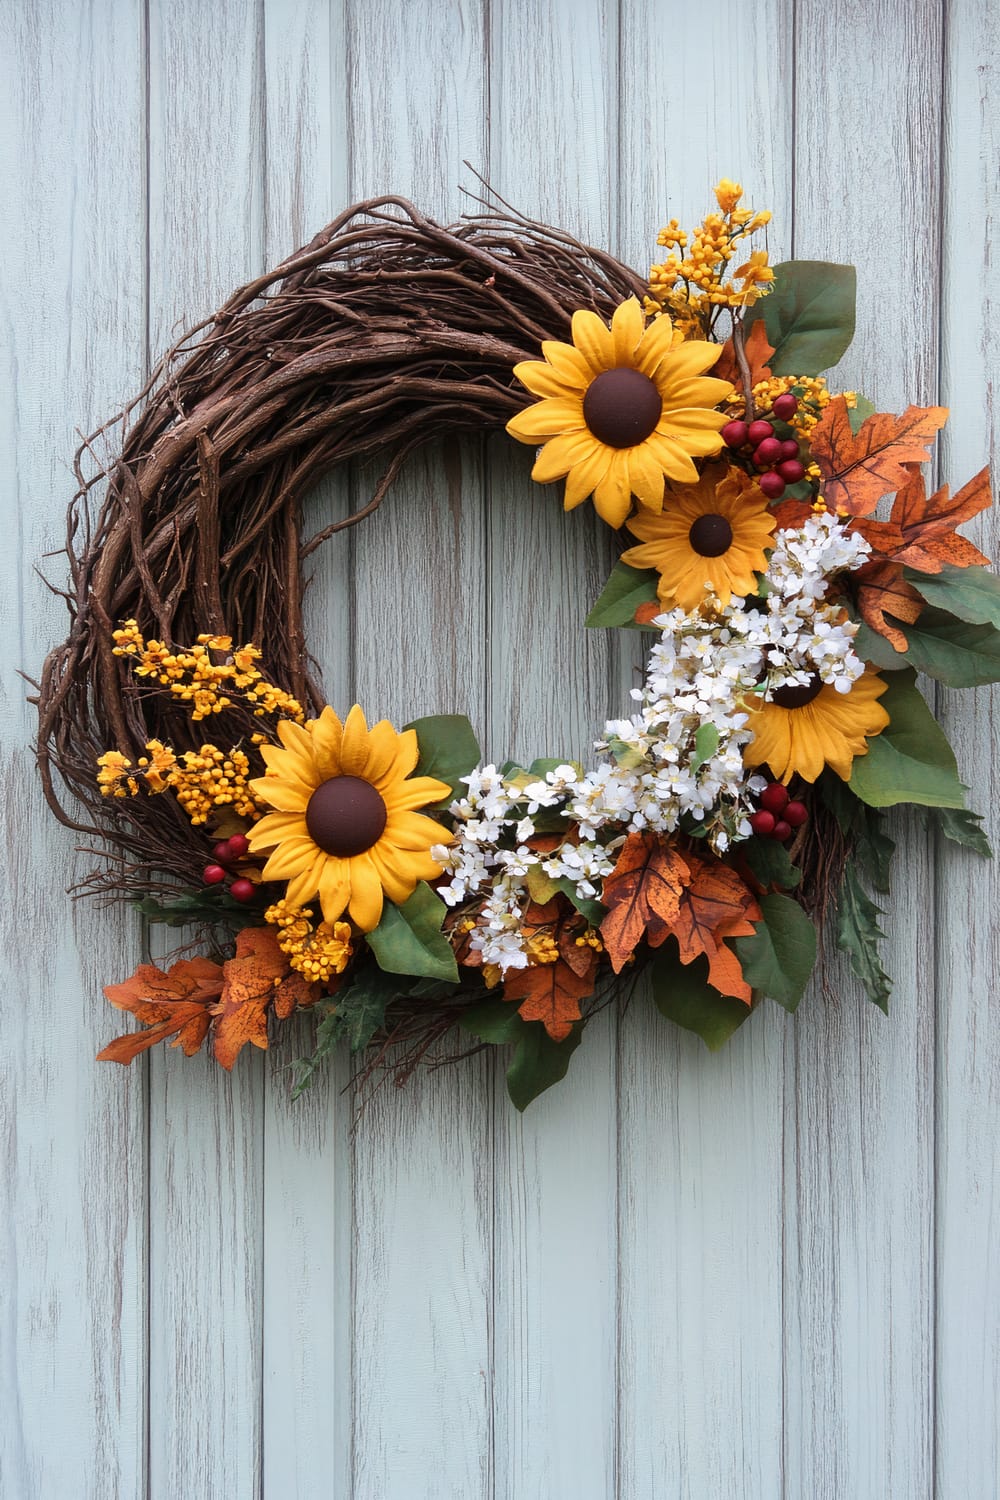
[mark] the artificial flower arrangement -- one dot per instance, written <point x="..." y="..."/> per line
<point x="385" y="879"/>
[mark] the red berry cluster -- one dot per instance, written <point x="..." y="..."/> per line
<point x="778" y="816"/>
<point x="225" y="854"/>
<point x="775" y="459"/>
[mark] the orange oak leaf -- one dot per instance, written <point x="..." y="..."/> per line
<point x="551" y="993"/>
<point x="176" y="1003"/>
<point x="258" y="977"/>
<point x="928" y="524"/>
<point x="642" y="895"/>
<point x="758" y="352"/>
<point x="859" y="468"/>
<point x="715" y="905"/>
<point x="791" y="513"/>
<point x="648" y="612"/>
<point x="882" y="590"/>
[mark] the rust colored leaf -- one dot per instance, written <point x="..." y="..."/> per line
<point x="859" y="468"/>
<point x="648" y="612"/>
<point x="642" y="895"/>
<point x="258" y="977"/>
<point x="791" y="513"/>
<point x="882" y="590"/>
<point x="176" y="1003"/>
<point x="929" y="539"/>
<point x="758" y="352"/>
<point x="551" y="993"/>
<point x="715" y="905"/>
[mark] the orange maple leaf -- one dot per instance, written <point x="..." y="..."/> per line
<point x="258" y="977"/>
<point x="758" y="351"/>
<point x="642" y="895"/>
<point x="859" y="468"/>
<point x="928" y="524"/>
<point x="791" y="513"/>
<point x="882" y="590"/>
<point x="176" y="1003"/>
<point x="551" y="993"/>
<point x="715" y="905"/>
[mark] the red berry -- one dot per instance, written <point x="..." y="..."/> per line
<point x="239" y="844"/>
<point x="772" y="485"/>
<point x="221" y="852"/>
<point x="758" y="431"/>
<point x="789" y="448"/>
<point x="213" y="875"/>
<point x="785" y="406"/>
<point x="782" y="831"/>
<point x="796" y="813"/>
<point x="242" y="890"/>
<point x="735" y="434"/>
<point x="791" y="470"/>
<point x="763" y="823"/>
<point x="774" y="798"/>
<point x="767" y="452"/>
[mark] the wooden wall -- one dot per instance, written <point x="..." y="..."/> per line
<point x="769" y="1272"/>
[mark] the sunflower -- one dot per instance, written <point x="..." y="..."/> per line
<point x="805" y="728"/>
<point x="345" y="825"/>
<point x="620" y="409"/>
<point x="713" y="532"/>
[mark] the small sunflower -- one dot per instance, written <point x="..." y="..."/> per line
<point x="713" y="532"/>
<point x="806" y="728"/>
<point x="345" y="825"/>
<point x="621" y="409"/>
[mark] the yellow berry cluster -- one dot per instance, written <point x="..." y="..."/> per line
<point x="114" y="775"/>
<point x="202" y="780"/>
<point x="541" y="949"/>
<point x="318" y="953"/>
<point x="591" y="939"/>
<point x="696" y="278"/>
<point x="201" y="681"/>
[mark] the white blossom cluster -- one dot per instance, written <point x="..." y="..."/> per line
<point x="676" y="761"/>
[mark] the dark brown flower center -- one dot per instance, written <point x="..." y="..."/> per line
<point x="794" y="696"/>
<point x="622" y="407"/>
<point x="345" y="816"/>
<point x="711" y="535"/>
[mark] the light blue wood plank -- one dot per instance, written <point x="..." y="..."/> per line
<point x="859" y="1140"/>
<point x="206" y="1127"/>
<point x="967" y="1329"/>
<point x="72" y="1327"/>
<point x="701" y="1161"/>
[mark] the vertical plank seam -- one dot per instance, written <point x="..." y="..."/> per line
<point x="147" y="1088"/>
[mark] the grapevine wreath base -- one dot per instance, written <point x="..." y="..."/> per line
<point x="383" y="878"/>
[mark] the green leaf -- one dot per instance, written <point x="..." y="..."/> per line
<point x="972" y="594"/>
<point x="621" y="596"/>
<point x="449" y="750"/>
<point x="683" y="994"/>
<point x="779" y="958"/>
<point x="706" y="742"/>
<point x="863" y="826"/>
<point x="409" y="940"/>
<point x="769" y="862"/>
<point x="537" y="1063"/>
<point x="911" y="760"/>
<point x="962" y="827"/>
<point x="859" y="413"/>
<point x="213" y="906"/>
<point x="809" y="315"/>
<point x="354" y="1016"/>
<point x="858" y="935"/>
<point x="592" y="910"/>
<point x="953" y="651"/>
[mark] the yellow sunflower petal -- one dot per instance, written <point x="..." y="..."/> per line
<point x="584" y="477"/>
<point x="594" y="341"/>
<point x="613" y="495"/>
<point x="693" y="357"/>
<point x="274" y="827"/>
<point x="354" y="745"/>
<point x="410" y="830"/>
<point x="327" y="737"/>
<point x="559" y="455"/>
<point x="334" y="888"/>
<point x="672" y="458"/>
<point x="547" y="419"/>
<point x="627" y="325"/>
<point x="286" y="796"/>
<point x="645" y="478"/>
<point x="383" y="751"/>
<point x="657" y="342"/>
<point x="397" y="886"/>
<point x="292" y="856"/>
<point x="567" y="362"/>
<point x="546" y="380"/>
<point x="301" y="890"/>
<point x="416" y="791"/>
<point x="365" y="905"/>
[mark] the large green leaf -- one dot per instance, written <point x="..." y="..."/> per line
<point x="770" y="863"/>
<point x="955" y="652"/>
<point x="911" y="760"/>
<point x="449" y="750"/>
<point x="409" y="940"/>
<point x="809" y="315"/>
<point x="683" y="994"/>
<point x="972" y="594"/>
<point x="621" y="596"/>
<point x="962" y="827"/>
<point x="779" y="958"/>
<point x="858" y="935"/>
<point x="537" y="1061"/>
<point x="872" y="847"/>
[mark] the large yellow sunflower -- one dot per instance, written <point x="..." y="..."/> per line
<point x="713" y="532"/>
<point x="806" y="728"/>
<point x="620" y="409"/>
<point x="345" y="825"/>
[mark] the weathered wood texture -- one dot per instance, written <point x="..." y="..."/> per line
<point x="769" y="1272"/>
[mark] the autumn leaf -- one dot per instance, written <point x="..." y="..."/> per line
<point x="928" y="525"/>
<point x="859" y="468"/>
<point x="715" y="905"/>
<point x="647" y="613"/>
<point x="791" y="514"/>
<point x="259" y="976"/>
<point x="758" y="350"/>
<point x="551" y="993"/>
<point x="642" y="895"/>
<point x="882" y="590"/>
<point x="175" y="1003"/>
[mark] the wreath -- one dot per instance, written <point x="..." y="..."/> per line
<point x="384" y="878"/>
